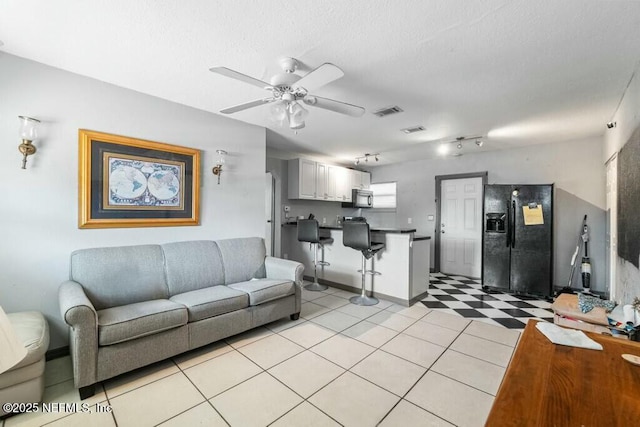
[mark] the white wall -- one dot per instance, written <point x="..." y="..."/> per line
<point x="39" y="205"/>
<point x="627" y="119"/>
<point x="575" y="167"/>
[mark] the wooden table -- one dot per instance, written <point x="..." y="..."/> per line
<point x="553" y="385"/>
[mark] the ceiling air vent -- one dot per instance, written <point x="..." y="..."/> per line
<point x="388" y="110"/>
<point x="413" y="129"/>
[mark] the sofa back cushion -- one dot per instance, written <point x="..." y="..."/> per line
<point x="192" y="265"/>
<point x="120" y="275"/>
<point x="243" y="259"/>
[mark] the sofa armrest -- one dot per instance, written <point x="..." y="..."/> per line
<point x="278" y="268"/>
<point x="78" y="312"/>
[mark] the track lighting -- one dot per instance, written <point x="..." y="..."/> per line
<point x="611" y="125"/>
<point x="443" y="149"/>
<point x="366" y="158"/>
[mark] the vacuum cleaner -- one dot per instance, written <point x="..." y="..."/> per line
<point x="585" y="265"/>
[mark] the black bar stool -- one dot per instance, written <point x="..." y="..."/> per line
<point x="357" y="235"/>
<point x="309" y="231"/>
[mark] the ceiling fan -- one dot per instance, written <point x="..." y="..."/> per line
<point x="289" y="90"/>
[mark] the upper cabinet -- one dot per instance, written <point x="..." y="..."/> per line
<point x="361" y="180"/>
<point x="343" y="185"/>
<point x="320" y="181"/>
<point x="302" y="179"/>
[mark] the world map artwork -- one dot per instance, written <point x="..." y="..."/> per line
<point x="138" y="184"/>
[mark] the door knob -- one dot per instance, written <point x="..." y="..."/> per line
<point x="442" y="231"/>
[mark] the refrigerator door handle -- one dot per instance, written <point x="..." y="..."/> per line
<point x="508" y="233"/>
<point x="513" y="224"/>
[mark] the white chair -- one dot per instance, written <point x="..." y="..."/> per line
<point x="24" y="382"/>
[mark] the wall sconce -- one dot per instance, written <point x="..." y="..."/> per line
<point x="217" y="169"/>
<point x="28" y="133"/>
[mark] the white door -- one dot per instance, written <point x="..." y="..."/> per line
<point x="461" y="226"/>
<point x="612" y="225"/>
<point x="269" y="196"/>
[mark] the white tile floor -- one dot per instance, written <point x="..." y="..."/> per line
<point x="338" y="364"/>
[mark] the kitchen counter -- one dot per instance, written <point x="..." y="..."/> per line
<point x="373" y="229"/>
<point x="403" y="263"/>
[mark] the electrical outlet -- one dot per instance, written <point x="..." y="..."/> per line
<point x="285" y="256"/>
<point x="324" y="220"/>
<point x="409" y="220"/>
<point x="429" y="217"/>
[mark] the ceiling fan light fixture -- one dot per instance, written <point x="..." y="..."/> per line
<point x="279" y="114"/>
<point x="297" y="115"/>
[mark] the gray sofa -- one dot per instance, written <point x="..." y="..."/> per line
<point x="131" y="306"/>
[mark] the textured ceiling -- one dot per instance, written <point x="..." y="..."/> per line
<point x="516" y="72"/>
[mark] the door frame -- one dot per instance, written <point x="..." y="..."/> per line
<point x="270" y="198"/>
<point x="438" y="230"/>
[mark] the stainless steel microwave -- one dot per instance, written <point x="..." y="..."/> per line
<point x="362" y="198"/>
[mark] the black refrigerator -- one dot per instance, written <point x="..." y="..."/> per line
<point x="517" y="239"/>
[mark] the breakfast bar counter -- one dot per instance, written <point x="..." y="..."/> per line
<point x="403" y="263"/>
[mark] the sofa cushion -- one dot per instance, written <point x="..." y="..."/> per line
<point x="33" y="330"/>
<point x="128" y="322"/>
<point x="264" y="290"/>
<point x="243" y="259"/>
<point x="116" y="276"/>
<point x="192" y="265"/>
<point x="213" y="301"/>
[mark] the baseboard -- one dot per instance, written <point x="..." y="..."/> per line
<point x="57" y="353"/>
<point x="390" y="298"/>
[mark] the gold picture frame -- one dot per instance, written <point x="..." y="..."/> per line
<point x="129" y="182"/>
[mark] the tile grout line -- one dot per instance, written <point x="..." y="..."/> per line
<point x="199" y="391"/>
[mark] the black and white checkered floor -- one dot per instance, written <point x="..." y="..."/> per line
<point x="465" y="297"/>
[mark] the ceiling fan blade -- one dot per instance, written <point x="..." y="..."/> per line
<point x="333" y="105"/>
<point x="239" y="76"/>
<point x="326" y="73"/>
<point x="246" y="105"/>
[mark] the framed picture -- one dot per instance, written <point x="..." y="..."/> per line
<point x="127" y="182"/>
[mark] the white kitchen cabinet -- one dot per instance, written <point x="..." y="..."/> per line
<point x="360" y="180"/>
<point x="332" y="182"/>
<point x="303" y="176"/>
<point x="343" y="185"/>
<point x="320" y="181"/>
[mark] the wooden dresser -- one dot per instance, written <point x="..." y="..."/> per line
<point x="553" y="385"/>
